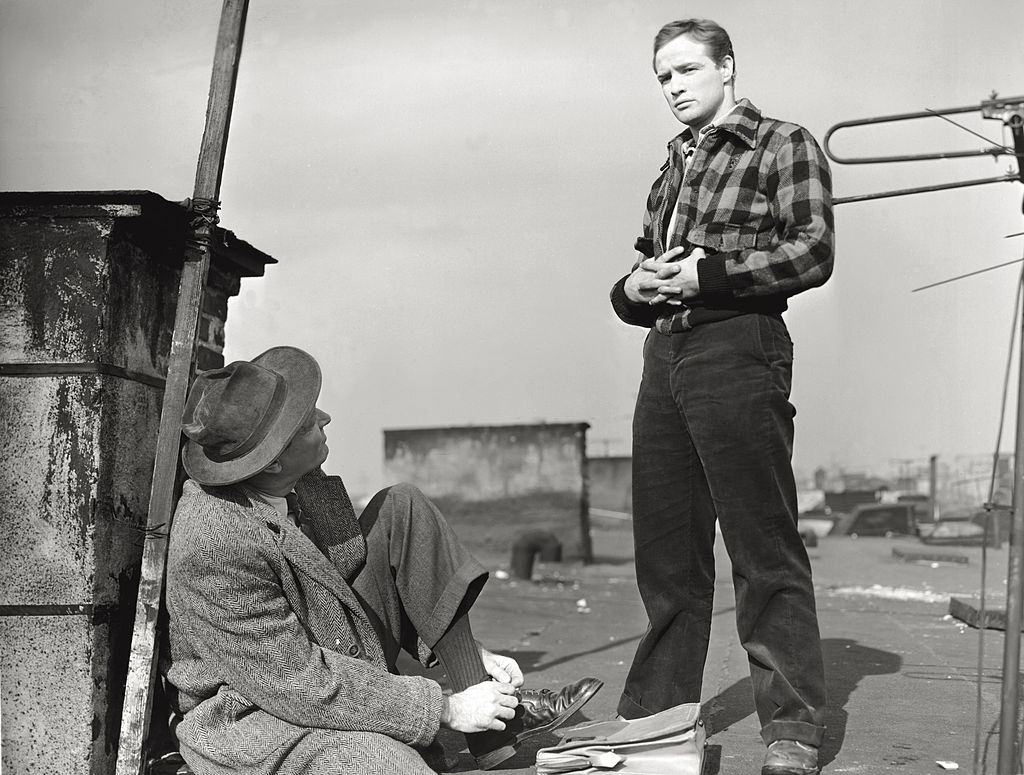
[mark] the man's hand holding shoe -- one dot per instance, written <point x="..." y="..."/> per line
<point x="481" y="707"/>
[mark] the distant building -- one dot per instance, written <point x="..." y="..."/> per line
<point x="611" y="483"/>
<point x="494" y="482"/>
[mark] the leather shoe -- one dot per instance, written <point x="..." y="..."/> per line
<point x="539" y="710"/>
<point x="544" y="709"/>
<point x="790" y="757"/>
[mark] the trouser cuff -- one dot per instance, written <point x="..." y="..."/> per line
<point x="801" y="731"/>
<point x="628" y="708"/>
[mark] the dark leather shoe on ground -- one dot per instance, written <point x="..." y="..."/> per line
<point x="789" y="757"/>
<point x="544" y="709"/>
<point x="539" y="710"/>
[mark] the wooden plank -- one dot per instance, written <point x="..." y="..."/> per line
<point x="132" y="752"/>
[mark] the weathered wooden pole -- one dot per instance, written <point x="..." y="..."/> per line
<point x="131" y="754"/>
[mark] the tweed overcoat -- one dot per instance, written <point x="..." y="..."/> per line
<point x="274" y="665"/>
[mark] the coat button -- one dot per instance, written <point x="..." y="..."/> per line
<point x="353" y="650"/>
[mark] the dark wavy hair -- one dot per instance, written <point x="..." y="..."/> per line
<point x="705" y="31"/>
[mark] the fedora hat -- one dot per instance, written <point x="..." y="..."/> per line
<point x="239" y="418"/>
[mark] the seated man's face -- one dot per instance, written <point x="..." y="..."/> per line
<point x="308" y="447"/>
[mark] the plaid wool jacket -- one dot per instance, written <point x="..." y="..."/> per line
<point x="757" y="196"/>
<point x="274" y="665"/>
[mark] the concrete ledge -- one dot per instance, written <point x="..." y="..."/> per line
<point x="925" y="555"/>
<point x="995" y="618"/>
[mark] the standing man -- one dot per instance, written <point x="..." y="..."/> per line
<point x="287" y="615"/>
<point x="739" y="220"/>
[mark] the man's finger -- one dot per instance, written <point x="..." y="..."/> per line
<point x="667" y="271"/>
<point x="515" y="674"/>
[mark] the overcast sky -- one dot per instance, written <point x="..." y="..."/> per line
<point x="451" y="188"/>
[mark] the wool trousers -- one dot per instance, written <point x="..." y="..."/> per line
<point x="418" y="577"/>
<point x="713" y="440"/>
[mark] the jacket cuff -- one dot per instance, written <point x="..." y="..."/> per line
<point x="630" y="311"/>
<point x="712" y="277"/>
<point x="430" y="706"/>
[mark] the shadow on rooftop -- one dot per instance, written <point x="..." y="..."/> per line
<point x="846" y="663"/>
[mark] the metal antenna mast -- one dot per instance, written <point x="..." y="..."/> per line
<point x="1011" y="112"/>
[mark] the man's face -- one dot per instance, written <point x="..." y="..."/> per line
<point x="308" y="448"/>
<point x="693" y="85"/>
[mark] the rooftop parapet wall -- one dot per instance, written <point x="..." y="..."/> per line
<point x="494" y="481"/>
<point x="611" y="483"/>
<point x="87" y="299"/>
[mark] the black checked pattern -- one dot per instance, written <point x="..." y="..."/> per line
<point x="756" y="194"/>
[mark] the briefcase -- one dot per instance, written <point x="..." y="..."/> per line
<point x="666" y="743"/>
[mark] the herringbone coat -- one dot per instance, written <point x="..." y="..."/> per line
<point x="273" y="662"/>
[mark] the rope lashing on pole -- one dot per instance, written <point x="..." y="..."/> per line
<point x="203" y="219"/>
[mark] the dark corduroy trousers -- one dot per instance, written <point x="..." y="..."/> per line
<point x="713" y="439"/>
<point x="417" y="577"/>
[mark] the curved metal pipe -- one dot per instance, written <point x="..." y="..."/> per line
<point x="998" y="108"/>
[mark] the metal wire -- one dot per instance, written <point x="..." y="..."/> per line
<point x="1007" y="150"/>
<point x="969" y="274"/>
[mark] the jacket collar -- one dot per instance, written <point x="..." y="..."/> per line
<point x="298" y="547"/>
<point x="742" y="122"/>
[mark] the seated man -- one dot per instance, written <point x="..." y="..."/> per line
<point x="286" y="615"/>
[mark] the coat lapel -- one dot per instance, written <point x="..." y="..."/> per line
<point x="301" y="552"/>
<point x="308" y="560"/>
